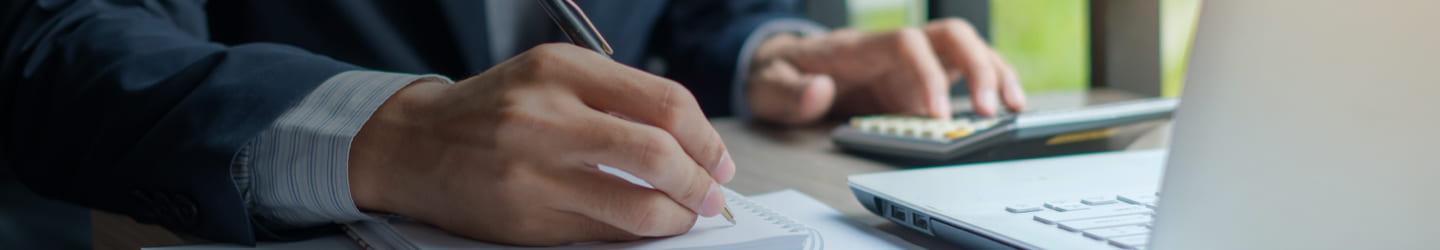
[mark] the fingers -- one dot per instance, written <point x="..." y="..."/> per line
<point x="652" y="155"/>
<point x="894" y="72"/>
<point x="917" y="55"/>
<point x="779" y="92"/>
<point x="668" y="106"/>
<point x="1010" y="90"/>
<point x="957" y="44"/>
<point x="613" y="87"/>
<point x="633" y="209"/>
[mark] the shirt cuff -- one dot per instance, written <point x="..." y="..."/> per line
<point x="296" y="173"/>
<point x="738" y="101"/>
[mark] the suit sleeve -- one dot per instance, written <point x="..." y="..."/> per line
<point x="126" y="106"/>
<point x="707" y="45"/>
<point x="295" y="175"/>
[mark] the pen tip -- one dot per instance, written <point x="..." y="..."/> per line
<point x="725" y="210"/>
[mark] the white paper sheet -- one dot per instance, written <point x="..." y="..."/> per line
<point x="838" y="232"/>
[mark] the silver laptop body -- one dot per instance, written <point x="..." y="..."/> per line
<point x="1304" y="125"/>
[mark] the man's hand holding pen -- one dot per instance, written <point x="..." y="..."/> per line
<point x="510" y="155"/>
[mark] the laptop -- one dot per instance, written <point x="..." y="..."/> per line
<point x="1309" y="124"/>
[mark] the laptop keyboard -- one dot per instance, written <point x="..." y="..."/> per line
<point x="1123" y="221"/>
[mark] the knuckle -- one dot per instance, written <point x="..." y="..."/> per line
<point x="910" y="40"/>
<point x="954" y="31"/>
<point x="526" y="67"/>
<point x="550" y="49"/>
<point x="711" y="151"/>
<point x="654" y="151"/>
<point x="674" y="101"/>
<point x="535" y="56"/>
<point x="909" y="34"/>
<point x="521" y="104"/>
<point x="541" y="59"/>
<point x="510" y="113"/>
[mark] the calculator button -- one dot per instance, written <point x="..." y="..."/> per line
<point x="1022" y="208"/>
<point x="1064" y="206"/>
<point x="984" y="123"/>
<point x="958" y="133"/>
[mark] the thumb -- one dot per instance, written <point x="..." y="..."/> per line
<point x="779" y="92"/>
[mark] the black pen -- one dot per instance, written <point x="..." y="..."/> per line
<point x="576" y="25"/>
<point x="581" y="32"/>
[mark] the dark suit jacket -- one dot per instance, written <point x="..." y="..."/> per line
<point x="139" y="106"/>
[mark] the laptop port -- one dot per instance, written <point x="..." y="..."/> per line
<point x="921" y="222"/>
<point x="880" y="205"/>
<point x="899" y="214"/>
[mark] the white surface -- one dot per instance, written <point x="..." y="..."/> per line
<point x="838" y="232"/>
<point x="757" y="227"/>
<point x="1307" y="124"/>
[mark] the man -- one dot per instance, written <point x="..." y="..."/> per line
<point x="238" y="120"/>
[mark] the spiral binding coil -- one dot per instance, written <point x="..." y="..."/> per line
<point x="815" y="241"/>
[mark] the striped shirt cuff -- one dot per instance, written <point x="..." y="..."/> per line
<point x="296" y="173"/>
<point x="738" y="100"/>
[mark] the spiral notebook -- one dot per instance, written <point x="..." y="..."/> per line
<point x="758" y="227"/>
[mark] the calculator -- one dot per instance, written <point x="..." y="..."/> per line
<point x="939" y="140"/>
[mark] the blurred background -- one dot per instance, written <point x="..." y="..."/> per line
<point x="1138" y="46"/>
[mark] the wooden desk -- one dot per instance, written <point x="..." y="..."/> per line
<point x="769" y="159"/>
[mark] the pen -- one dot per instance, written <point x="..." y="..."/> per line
<point x="581" y="32"/>
<point x="576" y="25"/>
